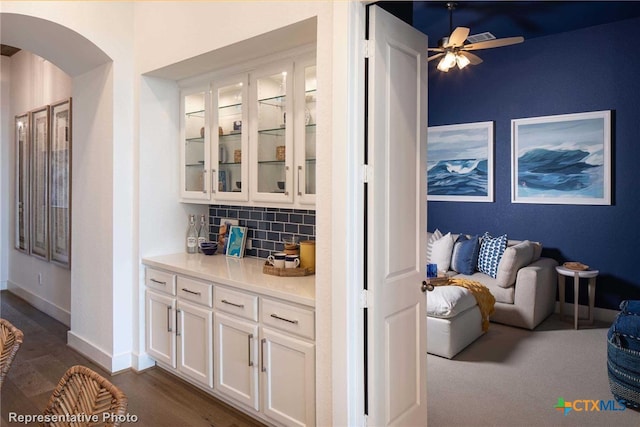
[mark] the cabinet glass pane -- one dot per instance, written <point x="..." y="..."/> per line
<point x="230" y="104"/>
<point x="272" y="122"/>
<point x="310" y="129"/>
<point x="194" y="130"/>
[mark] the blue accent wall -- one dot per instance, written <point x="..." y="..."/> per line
<point x="594" y="69"/>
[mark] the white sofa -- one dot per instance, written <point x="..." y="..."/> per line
<point x="524" y="290"/>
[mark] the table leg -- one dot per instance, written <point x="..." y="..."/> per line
<point x="561" y="294"/>
<point x="592" y="298"/>
<point x="576" y="294"/>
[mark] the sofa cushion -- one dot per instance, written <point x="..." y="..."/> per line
<point x="504" y="295"/>
<point x="449" y="301"/>
<point x="441" y="250"/>
<point x="513" y="259"/>
<point x="491" y="250"/>
<point x="465" y="254"/>
<point x="431" y="238"/>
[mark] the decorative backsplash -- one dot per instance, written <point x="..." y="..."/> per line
<point x="267" y="227"/>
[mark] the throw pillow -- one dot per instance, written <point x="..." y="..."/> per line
<point x="441" y="252"/>
<point x="431" y="238"/>
<point x="491" y="250"/>
<point x="514" y="258"/>
<point x="465" y="254"/>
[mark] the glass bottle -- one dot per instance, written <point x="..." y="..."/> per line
<point x="192" y="235"/>
<point x="202" y="232"/>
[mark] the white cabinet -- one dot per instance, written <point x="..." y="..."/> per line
<point x="179" y="333"/>
<point x="236" y="356"/>
<point x="255" y="352"/>
<point x="250" y="137"/>
<point x="195" y="147"/>
<point x="287" y="363"/>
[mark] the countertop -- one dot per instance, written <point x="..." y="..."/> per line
<point x="243" y="273"/>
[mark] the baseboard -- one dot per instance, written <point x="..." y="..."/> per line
<point x="112" y="364"/>
<point x="141" y="362"/>
<point x="599" y="314"/>
<point x="58" y="313"/>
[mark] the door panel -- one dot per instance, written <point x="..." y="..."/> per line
<point x="194" y="332"/>
<point x="396" y="212"/>
<point x="161" y="341"/>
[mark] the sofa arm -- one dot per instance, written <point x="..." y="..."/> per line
<point x="535" y="290"/>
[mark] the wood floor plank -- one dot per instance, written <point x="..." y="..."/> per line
<point x="156" y="397"/>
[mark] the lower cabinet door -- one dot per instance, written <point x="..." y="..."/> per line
<point x="160" y="324"/>
<point x="195" y="342"/>
<point x="236" y="359"/>
<point x="287" y="368"/>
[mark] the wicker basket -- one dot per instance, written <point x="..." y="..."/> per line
<point x="11" y="338"/>
<point x="280" y="152"/>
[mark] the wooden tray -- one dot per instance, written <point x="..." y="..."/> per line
<point x="438" y="280"/>
<point x="286" y="272"/>
<point x="573" y="265"/>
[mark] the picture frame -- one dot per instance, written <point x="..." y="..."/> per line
<point x="60" y="182"/>
<point x="562" y="159"/>
<point x="22" y="163"/>
<point x="460" y="162"/>
<point x="236" y="241"/>
<point x="39" y="170"/>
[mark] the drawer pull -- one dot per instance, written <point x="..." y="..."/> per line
<point x="191" y="292"/>
<point x="275" y="316"/>
<point x="262" y="343"/>
<point x="169" y="319"/>
<point x="224" y="301"/>
<point x="177" y="322"/>
<point x="158" y="282"/>
<point x="249" y="339"/>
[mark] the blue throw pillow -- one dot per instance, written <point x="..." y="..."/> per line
<point x="491" y="250"/>
<point x="465" y="254"/>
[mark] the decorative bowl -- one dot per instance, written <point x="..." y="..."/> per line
<point x="239" y="185"/>
<point x="209" y="248"/>
<point x="281" y="185"/>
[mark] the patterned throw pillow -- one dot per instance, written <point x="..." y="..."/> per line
<point x="433" y="237"/>
<point x="491" y="250"/>
<point x="465" y="254"/>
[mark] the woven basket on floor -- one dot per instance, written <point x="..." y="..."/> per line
<point x="10" y="339"/>
<point x="83" y="391"/>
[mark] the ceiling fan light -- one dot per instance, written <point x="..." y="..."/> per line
<point x="462" y="61"/>
<point x="447" y="62"/>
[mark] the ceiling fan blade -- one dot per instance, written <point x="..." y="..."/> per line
<point x="436" y="56"/>
<point x="457" y="37"/>
<point x="474" y="59"/>
<point x="494" y="43"/>
<point x="436" y="49"/>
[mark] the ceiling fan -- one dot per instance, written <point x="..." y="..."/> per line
<point x="454" y="51"/>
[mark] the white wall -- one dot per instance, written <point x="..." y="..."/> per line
<point x="81" y="36"/>
<point x="35" y="82"/>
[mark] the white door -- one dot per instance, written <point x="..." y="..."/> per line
<point x="396" y="209"/>
<point x="194" y="330"/>
<point x="236" y="367"/>
<point x="287" y="366"/>
<point x="161" y="341"/>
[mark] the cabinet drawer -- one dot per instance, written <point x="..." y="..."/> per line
<point x="289" y="318"/>
<point x="196" y="291"/>
<point x="161" y="280"/>
<point x="238" y="303"/>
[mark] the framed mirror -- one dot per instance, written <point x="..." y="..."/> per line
<point x="60" y="183"/>
<point x="22" y="183"/>
<point x="39" y="135"/>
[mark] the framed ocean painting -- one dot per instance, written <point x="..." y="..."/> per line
<point x="563" y="159"/>
<point x="460" y="162"/>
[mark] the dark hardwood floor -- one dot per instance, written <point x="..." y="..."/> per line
<point x="156" y="397"/>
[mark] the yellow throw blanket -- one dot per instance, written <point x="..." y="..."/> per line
<point x="485" y="300"/>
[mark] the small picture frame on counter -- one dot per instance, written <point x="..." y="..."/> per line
<point x="236" y="240"/>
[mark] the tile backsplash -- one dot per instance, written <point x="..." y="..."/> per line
<point x="266" y="226"/>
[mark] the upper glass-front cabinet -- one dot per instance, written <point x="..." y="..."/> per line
<point x="230" y="137"/>
<point x="306" y="88"/>
<point x="195" y="152"/>
<point x="272" y="142"/>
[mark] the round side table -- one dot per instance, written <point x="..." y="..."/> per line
<point x="577" y="275"/>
